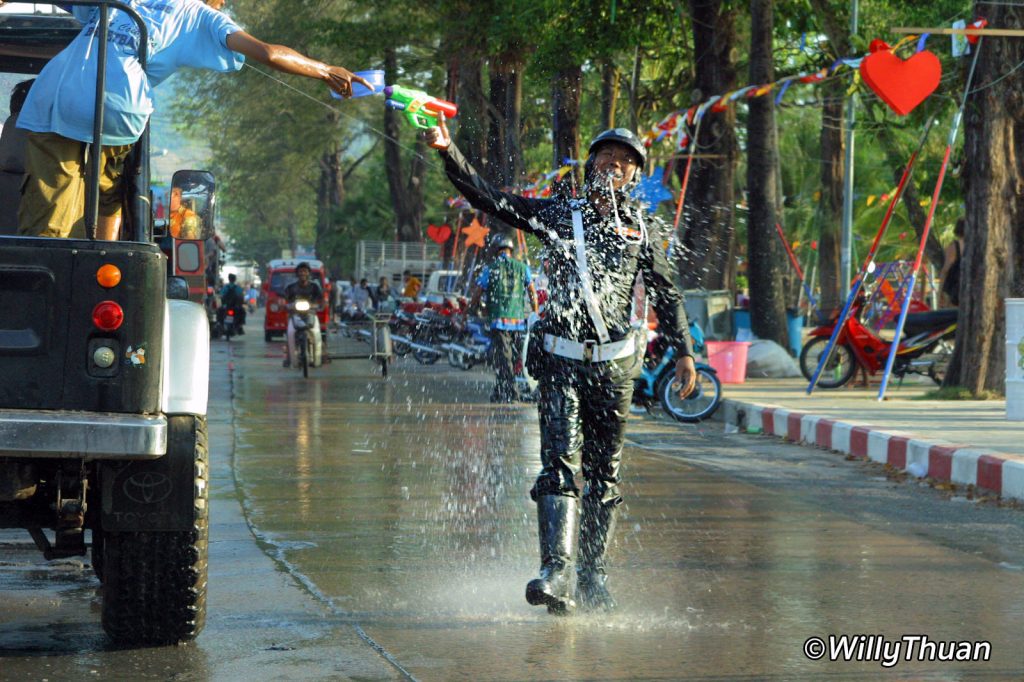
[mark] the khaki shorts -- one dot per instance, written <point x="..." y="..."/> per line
<point x="53" y="193"/>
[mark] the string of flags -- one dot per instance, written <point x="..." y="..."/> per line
<point x="900" y="84"/>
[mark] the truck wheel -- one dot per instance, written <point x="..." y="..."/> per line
<point x="154" y="583"/>
<point x="268" y="337"/>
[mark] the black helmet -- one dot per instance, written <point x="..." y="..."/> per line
<point x="503" y="241"/>
<point x="622" y="136"/>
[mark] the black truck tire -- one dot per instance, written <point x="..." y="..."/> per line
<point x="154" y="583"/>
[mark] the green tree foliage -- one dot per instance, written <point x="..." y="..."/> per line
<point x="269" y="136"/>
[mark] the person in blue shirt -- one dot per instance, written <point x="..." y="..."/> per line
<point x="59" y="110"/>
<point x="506" y="282"/>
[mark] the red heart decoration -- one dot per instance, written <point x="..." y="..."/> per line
<point x="439" y="233"/>
<point x="901" y="84"/>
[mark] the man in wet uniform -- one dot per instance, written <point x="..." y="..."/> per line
<point x="584" y="353"/>
<point x="308" y="290"/>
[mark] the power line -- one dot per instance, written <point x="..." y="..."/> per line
<point x="429" y="162"/>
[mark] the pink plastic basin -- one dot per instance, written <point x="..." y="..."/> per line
<point x="729" y="359"/>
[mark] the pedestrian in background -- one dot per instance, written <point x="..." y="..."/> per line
<point x="411" y="287"/>
<point x="505" y="282"/>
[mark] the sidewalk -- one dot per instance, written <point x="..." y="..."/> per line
<point x="966" y="442"/>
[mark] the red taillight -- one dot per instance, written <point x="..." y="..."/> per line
<point x="231" y="312"/>
<point x="107" y="315"/>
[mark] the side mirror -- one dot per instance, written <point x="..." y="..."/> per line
<point x="193" y="204"/>
<point x="177" y="288"/>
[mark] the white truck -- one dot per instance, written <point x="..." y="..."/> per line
<point x="376" y="259"/>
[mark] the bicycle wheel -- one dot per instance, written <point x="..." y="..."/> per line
<point x="699" y="405"/>
<point x="841" y="365"/>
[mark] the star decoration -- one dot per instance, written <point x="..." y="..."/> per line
<point x="652" y="190"/>
<point x="475" y="233"/>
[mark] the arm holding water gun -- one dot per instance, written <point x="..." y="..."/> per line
<point x="285" y="59"/>
<point x="516" y="210"/>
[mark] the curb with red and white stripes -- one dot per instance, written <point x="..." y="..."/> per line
<point x="995" y="472"/>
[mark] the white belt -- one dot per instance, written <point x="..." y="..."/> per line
<point x="589" y="351"/>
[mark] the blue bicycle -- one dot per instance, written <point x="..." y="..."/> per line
<point x="657" y="379"/>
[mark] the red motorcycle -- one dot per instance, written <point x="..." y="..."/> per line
<point x="925" y="348"/>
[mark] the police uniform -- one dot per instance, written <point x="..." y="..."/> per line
<point x="585" y="355"/>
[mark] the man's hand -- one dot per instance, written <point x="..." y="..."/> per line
<point x="340" y="80"/>
<point x="686" y="376"/>
<point x="438" y="137"/>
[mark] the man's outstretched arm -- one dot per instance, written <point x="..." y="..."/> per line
<point x="287" y="60"/>
<point x="519" y="212"/>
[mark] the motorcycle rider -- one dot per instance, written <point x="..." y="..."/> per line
<point x="232" y="298"/>
<point x="506" y="282"/>
<point x="304" y="288"/>
<point x="584" y="352"/>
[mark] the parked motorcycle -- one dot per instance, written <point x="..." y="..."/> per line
<point x="403" y="325"/>
<point x="925" y="348"/>
<point x="470" y="345"/>
<point x="432" y="329"/>
<point x="658" y="377"/>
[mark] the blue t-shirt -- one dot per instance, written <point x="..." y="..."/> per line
<point x="181" y="33"/>
<point x="484" y="279"/>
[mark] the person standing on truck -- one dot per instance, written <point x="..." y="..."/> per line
<point x="59" y="110"/>
<point x="506" y="282"/>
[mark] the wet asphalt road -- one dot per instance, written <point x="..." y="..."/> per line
<point x="366" y="528"/>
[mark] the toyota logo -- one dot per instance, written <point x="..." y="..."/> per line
<point x="147" y="487"/>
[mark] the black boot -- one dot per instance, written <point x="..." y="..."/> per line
<point x="596" y="529"/>
<point x="557" y="523"/>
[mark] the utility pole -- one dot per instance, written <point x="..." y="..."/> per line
<point x="846" y="244"/>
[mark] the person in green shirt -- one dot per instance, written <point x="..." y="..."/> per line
<point x="506" y="282"/>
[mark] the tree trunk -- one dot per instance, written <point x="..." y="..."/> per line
<point x="634" y="85"/>
<point x="709" y="240"/>
<point x="991" y="267"/>
<point x="830" y="205"/>
<point x="609" y="93"/>
<point x="504" y="152"/>
<point x="565" y="125"/>
<point x="406" y="189"/>
<point x="330" y="193"/>
<point x="764" y="257"/>
<point x="471" y="131"/>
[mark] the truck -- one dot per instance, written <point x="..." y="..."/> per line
<point x="104" y="370"/>
<point x="376" y="259"/>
